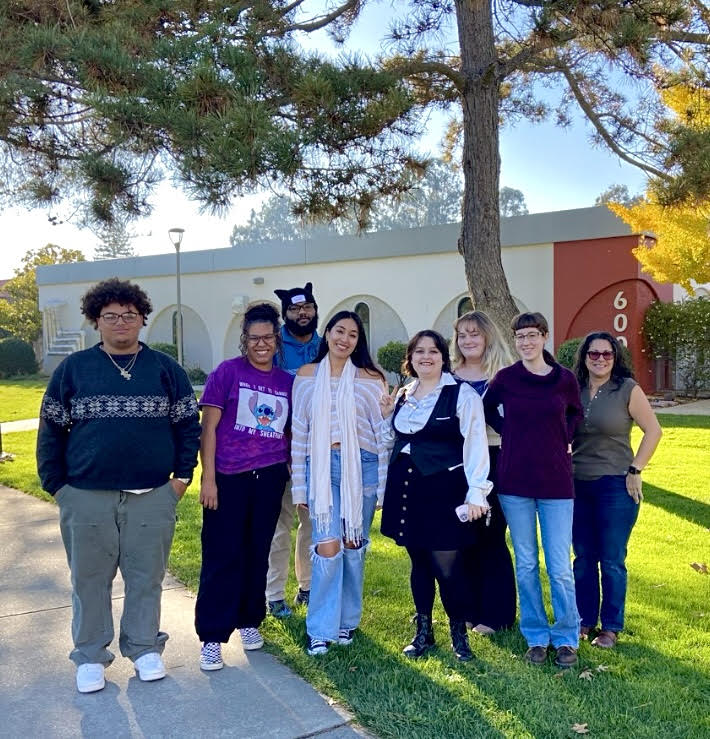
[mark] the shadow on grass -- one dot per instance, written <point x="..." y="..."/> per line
<point x="691" y="510"/>
<point x="637" y="690"/>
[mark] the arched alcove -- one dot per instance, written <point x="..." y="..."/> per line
<point x="197" y="349"/>
<point x="384" y="323"/>
<point x="458" y="306"/>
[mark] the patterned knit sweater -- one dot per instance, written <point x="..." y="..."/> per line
<point x="99" y="431"/>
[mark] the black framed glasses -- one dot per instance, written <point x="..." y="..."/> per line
<point x="305" y="307"/>
<point x="129" y="317"/>
<point x="265" y="339"/>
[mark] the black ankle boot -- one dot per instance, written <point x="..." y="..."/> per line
<point x="423" y="639"/>
<point x="459" y="641"/>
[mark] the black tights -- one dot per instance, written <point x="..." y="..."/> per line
<point x="446" y="567"/>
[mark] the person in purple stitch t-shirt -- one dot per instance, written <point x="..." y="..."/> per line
<point x="245" y="450"/>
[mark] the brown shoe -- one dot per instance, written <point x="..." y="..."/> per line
<point x="536" y="655"/>
<point x="584" y="632"/>
<point x="605" y="640"/>
<point x="566" y="657"/>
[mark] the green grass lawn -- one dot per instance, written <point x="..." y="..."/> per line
<point x="655" y="684"/>
<point x="21" y="399"/>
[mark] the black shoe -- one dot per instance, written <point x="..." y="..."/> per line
<point x="423" y="639"/>
<point x="459" y="641"/>
<point x="279" y="609"/>
<point x="302" y="597"/>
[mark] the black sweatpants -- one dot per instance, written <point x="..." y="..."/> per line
<point x="236" y="539"/>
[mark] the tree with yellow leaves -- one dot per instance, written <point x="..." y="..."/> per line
<point x="674" y="245"/>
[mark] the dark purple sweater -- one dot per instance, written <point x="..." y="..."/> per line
<point x="540" y="415"/>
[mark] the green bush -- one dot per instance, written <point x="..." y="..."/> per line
<point x="680" y="333"/>
<point x="163" y="346"/>
<point x="197" y="375"/>
<point x="16" y="357"/>
<point x="567" y="353"/>
<point x="390" y="357"/>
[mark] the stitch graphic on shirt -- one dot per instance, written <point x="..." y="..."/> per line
<point x="264" y="413"/>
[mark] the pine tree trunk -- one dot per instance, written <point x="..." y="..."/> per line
<point x="479" y="242"/>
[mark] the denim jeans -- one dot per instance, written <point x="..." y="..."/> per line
<point x="336" y="582"/>
<point x="604" y="515"/>
<point x="555" y="517"/>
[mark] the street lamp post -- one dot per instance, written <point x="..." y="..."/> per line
<point x="176" y="235"/>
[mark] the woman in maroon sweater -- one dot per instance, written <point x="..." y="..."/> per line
<point x="541" y="409"/>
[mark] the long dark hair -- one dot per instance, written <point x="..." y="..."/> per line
<point x="361" y="354"/>
<point x="439" y="342"/>
<point x="619" y="370"/>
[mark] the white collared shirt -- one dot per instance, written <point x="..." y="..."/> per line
<point x="414" y="414"/>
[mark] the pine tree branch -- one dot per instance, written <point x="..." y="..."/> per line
<point x="683" y="37"/>
<point x="321" y="21"/>
<point x="410" y="67"/>
<point x="596" y="121"/>
<point x="525" y="55"/>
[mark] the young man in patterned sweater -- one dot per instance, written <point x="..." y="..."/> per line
<point x="117" y="443"/>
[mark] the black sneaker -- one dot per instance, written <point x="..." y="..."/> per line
<point x="279" y="609"/>
<point x="346" y="636"/>
<point x="302" y="597"/>
<point x="316" y="647"/>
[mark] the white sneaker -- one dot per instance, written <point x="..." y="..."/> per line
<point x="90" y="677"/>
<point x="150" y="667"/>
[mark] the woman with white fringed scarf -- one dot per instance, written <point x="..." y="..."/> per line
<point x="339" y="470"/>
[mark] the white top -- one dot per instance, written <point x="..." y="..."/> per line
<point x="369" y="425"/>
<point x="414" y="414"/>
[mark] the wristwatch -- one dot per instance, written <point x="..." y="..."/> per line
<point x="184" y="480"/>
<point x="634" y="470"/>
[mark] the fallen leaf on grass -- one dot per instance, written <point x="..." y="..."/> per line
<point x="561" y="673"/>
<point x="352" y="669"/>
<point x="580" y="728"/>
<point x="602" y="668"/>
<point x="660" y="585"/>
<point x="700" y="567"/>
<point x="378" y="591"/>
<point x="586" y="675"/>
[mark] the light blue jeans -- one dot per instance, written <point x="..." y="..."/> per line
<point x="555" y="517"/>
<point x="336" y="582"/>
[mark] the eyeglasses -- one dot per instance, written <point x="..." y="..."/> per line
<point x="306" y="307"/>
<point x="129" y="317"/>
<point x="593" y="354"/>
<point x="266" y="339"/>
<point x="530" y="336"/>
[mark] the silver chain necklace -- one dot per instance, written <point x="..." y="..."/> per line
<point x="125" y="371"/>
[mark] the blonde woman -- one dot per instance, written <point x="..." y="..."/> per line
<point x="478" y="352"/>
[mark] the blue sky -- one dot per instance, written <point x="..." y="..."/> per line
<point x="555" y="168"/>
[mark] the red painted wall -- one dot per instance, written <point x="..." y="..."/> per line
<point x="599" y="286"/>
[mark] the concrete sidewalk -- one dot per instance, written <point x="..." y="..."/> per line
<point x="253" y="696"/>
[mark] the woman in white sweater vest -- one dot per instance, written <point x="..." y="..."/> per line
<point x="339" y="468"/>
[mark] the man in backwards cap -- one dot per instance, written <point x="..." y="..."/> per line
<point x="299" y="342"/>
